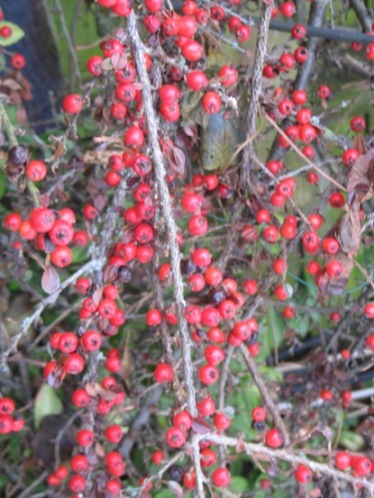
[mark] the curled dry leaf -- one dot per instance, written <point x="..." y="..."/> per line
<point x="50" y="280"/>
<point x="361" y="177"/>
<point x="200" y="426"/>
<point x="94" y="389"/>
<point x="348" y="230"/>
<point x="57" y="375"/>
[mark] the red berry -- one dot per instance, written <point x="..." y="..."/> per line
<point x="350" y="156"/>
<point x="175" y="437"/>
<point x="163" y="373"/>
<point x="153" y="5"/>
<point x="196" y="80"/>
<point x="72" y="104"/>
<point x="369" y="312"/>
<point x="206" y="407"/>
<point x="221" y="477"/>
<point x="158" y="457"/>
<point x="243" y="33"/>
<point x="259" y="414"/>
<point x="153" y="318"/>
<point x="228" y="75"/>
<point x="343" y="460"/>
<point x="361" y="466"/>
<point x="273" y="438"/>
<point x="182" y="420"/>
<point x="85" y="437"/>
<point x="303" y="474"/>
<point x="61" y="256"/>
<point x="18" y="61"/>
<point x="74" y="364"/>
<point x="114" y="433"/>
<point x="36" y="170"/>
<point x="80" y="398"/>
<point x="214" y="355"/>
<point x="211" y="102"/>
<point x="192" y="50"/>
<point x="358" y="124"/>
<point x="208" y="374"/>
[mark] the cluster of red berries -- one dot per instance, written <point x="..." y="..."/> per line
<point x="9" y="423"/>
<point x="52" y="231"/>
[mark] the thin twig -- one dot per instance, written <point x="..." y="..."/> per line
<point x="51" y="299"/>
<point x="298" y="151"/>
<point x="262" y="452"/>
<point x="39" y="480"/>
<point x="264" y="391"/>
<point x="73" y="54"/>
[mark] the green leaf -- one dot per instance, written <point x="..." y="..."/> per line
<point x="165" y="493"/>
<point x="351" y="441"/>
<point x="46" y="403"/>
<point x="274" y="331"/>
<point x="17" y="34"/>
<point x="239" y="484"/>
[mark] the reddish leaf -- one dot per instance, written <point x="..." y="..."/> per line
<point x="119" y="61"/>
<point x="50" y="280"/>
<point x="240" y="445"/>
<point x="200" y="426"/>
<point x="177" y="161"/>
<point x="57" y="375"/>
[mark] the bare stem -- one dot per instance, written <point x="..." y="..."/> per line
<point x="72" y="51"/>
<point x="171" y="227"/>
<point x="264" y="391"/>
<point x="298" y="151"/>
<point x="261" y="452"/>
<point x="254" y="100"/>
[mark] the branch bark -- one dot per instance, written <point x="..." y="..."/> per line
<point x="171" y="227"/>
<point x="254" y="100"/>
<point x="261" y="452"/>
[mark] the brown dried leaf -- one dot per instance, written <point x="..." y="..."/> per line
<point x="59" y="151"/>
<point x="127" y="366"/>
<point x="359" y="144"/>
<point x="12" y="84"/>
<point x="50" y="280"/>
<point x="361" y="177"/>
<point x="98" y="156"/>
<point x="99" y="450"/>
<point x="348" y="230"/>
<point x="95" y="389"/>
<point x="177" y="160"/>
